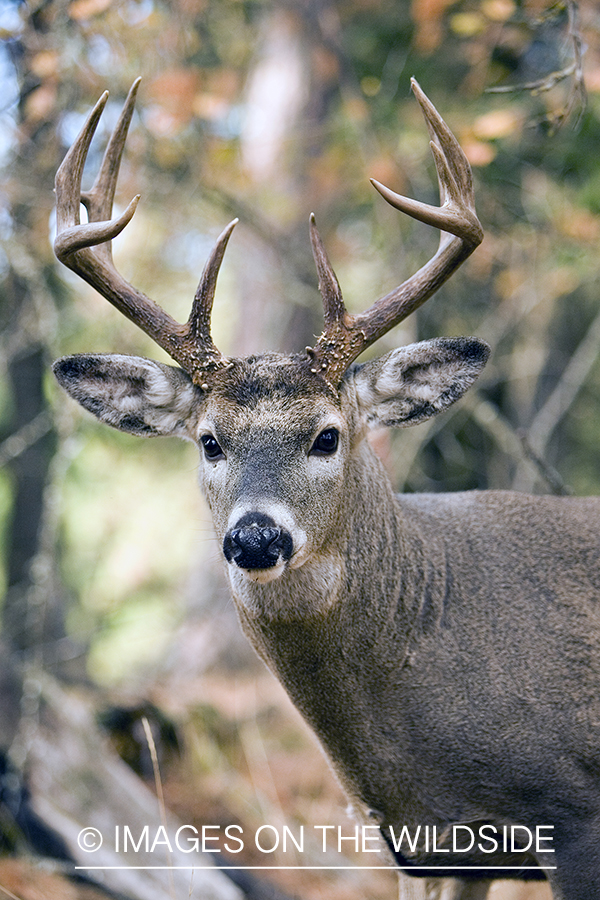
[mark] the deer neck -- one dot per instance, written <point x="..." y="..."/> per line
<point x="373" y="586"/>
<point x="366" y="579"/>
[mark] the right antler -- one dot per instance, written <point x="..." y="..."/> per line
<point x="86" y="249"/>
<point x="345" y="336"/>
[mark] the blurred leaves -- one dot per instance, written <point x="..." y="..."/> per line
<point x="271" y="110"/>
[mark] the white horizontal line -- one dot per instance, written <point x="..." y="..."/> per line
<point x="311" y="868"/>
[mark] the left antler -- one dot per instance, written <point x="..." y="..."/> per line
<point x="86" y="249"/>
<point x="345" y="336"/>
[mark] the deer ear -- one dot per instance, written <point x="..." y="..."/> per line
<point x="413" y="383"/>
<point x="130" y="393"/>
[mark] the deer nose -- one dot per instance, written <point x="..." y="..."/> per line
<point x="256" y="542"/>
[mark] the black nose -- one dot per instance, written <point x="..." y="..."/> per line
<point x="256" y="542"/>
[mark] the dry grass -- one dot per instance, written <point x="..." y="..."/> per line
<point x="251" y="761"/>
<point x="22" y="879"/>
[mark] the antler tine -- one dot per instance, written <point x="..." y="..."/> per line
<point x="99" y="199"/>
<point x="86" y="249"/>
<point x="198" y="326"/>
<point x="456" y="215"/>
<point x="329" y="286"/>
<point x="71" y="235"/>
<point x="346" y="336"/>
<point x="336" y="335"/>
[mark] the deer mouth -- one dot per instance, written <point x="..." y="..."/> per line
<point x="258" y="546"/>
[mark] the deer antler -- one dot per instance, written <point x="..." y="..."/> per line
<point x="86" y="249"/>
<point x="345" y="336"/>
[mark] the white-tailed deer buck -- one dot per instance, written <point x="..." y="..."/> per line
<point x="444" y="648"/>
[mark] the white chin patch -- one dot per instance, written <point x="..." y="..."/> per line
<point x="262" y="576"/>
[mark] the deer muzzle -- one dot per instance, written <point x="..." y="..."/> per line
<point x="256" y="543"/>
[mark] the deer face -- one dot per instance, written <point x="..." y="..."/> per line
<point x="273" y="445"/>
<point x="277" y="443"/>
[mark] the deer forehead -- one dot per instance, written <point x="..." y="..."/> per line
<point x="269" y="396"/>
<point x="270" y="421"/>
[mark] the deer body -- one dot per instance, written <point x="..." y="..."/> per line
<point x="472" y="691"/>
<point x="451" y="666"/>
<point x="444" y="648"/>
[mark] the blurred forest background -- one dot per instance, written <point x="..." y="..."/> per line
<point x="268" y="110"/>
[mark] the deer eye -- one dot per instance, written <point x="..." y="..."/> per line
<point x="212" y="448"/>
<point x="326" y="443"/>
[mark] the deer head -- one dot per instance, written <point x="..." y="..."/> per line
<point x="279" y="435"/>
